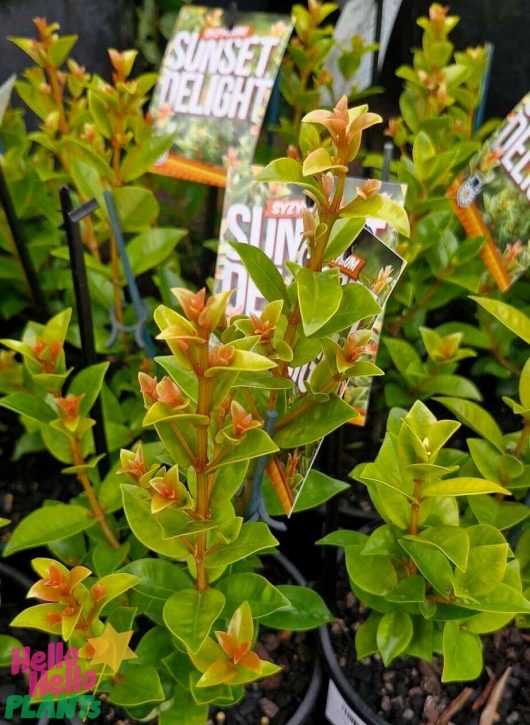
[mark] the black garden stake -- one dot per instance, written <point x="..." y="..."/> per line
<point x="72" y="218"/>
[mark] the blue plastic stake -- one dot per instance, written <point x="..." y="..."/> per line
<point x="141" y="333"/>
<point x="481" y="110"/>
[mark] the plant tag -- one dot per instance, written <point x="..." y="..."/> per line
<point x="491" y="199"/>
<point x="337" y="711"/>
<point x="214" y="85"/>
<point x="270" y="217"/>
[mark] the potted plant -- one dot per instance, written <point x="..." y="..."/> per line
<point x="194" y="569"/>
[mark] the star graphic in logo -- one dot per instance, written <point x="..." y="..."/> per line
<point x="111" y="648"/>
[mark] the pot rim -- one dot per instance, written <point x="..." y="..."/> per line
<point x="343" y="684"/>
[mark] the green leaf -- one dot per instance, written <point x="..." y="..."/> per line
<point x="190" y="614"/>
<point x="319" y="161"/>
<point x="476" y="418"/>
<point x="501" y="514"/>
<point x="485" y="570"/>
<point x="28" y="405"/>
<point x="183" y="709"/>
<point x="7" y="645"/>
<point x="263" y="271"/>
<point x="87" y="180"/>
<point x="289" y="171"/>
<point x="319" y="296"/>
<point x="253" y="537"/>
<point x="137" y="507"/>
<point x="511" y="317"/>
<point x="375" y="575"/>
<point x="50" y="523"/>
<point x="154" y="646"/>
<point x="423" y="151"/>
<point x="152" y="247"/>
<point x="38" y="617"/>
<point x="142" y="157"/>
<point x="138" y="684"/>
<point x="432" y="564"/>
<point x="317" y="489"/>
<point x="137" y="208"/>
<point x="464" y="486"/>
<point x="343" y="233"/>
<point x="306" y="610"/>
<point x="254" y="444"/>
<point x="366" y="636"/>
<point x="462" y="652"/>
<point x="61" y="48"/>
<point x="394" y="633"/>
<point x="106" y="558"/>
<point x="452" y="541"/>
<point x="88" y="383"/>
<point x="357" y="304"/>
<point x="409" y="591"/>
<point x="312" y="423"/>
<point x="158" y="580"/>
<point x="379" y="207"/>
<point x="343" y="538"/>
<point x="262" y="596"/>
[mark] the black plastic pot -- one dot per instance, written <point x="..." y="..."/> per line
<point x="344" y="706"/>
<point x="307" y="706"/>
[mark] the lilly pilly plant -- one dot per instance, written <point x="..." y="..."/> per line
<point x="434" y="579"/>
<point x="436" y="136"/>
<point x="94" y="136"/>
<point x="60" y="420"/>
<point x="304" y="79"/>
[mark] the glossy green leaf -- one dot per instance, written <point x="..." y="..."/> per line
<point x="158" y="580"/>
<point x="190" y="614"/>
<point x="137" y="507"/>
<point x="253" y="537"/>
<point x="152" y="247"/>
<point x="289" y="171"/>
<point x="501" y="514"/>
<point x="262" y="596"/>
<point x="432" y="564"/>
<point x="510" y="316"/>
<point x="485" y="569"/>
<point x="357" y="303"/>
<point x="306" y="610"/>
<point x="49" y="523"/>
<point x="375" y="574"/>
<point x="394" y="633"/>
<point x="379" y="207"/>
<point x="313" y="422"/>
<point x="7" y="645"/>
<point x="143" y="156"/>
<point x="462" y="652"/>
<point x="138" y="684"/>
<point x="29" y="405"/>
<point x="137" y="208"/>
<point x="464" y="486"/>
<point x="88" y="383"/>
<point x="366" y="636"/>
<point x="319" y="297"/>
<point x="263" y="271"/>
<point x="476" y="418"/>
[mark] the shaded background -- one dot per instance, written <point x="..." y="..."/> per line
<point x="111" y="23"/>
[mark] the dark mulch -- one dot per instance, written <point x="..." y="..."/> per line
<point x="410" y="692"/>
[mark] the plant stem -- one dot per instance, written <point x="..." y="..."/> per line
<point x="523" y="438"/>
<point x="415" y="508"/>
<point x="97" y="511"/>
<point x="201" y="506"/>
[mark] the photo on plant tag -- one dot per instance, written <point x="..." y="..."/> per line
<point x="492" y="198"/>
<point x="214" y="85"/>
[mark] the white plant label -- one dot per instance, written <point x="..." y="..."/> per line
<point x="337" y="711"/>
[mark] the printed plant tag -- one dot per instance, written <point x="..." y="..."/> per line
<point x="269" y="216"/>
<point x="214" y="87"/>
<point x="492" y="199"/>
